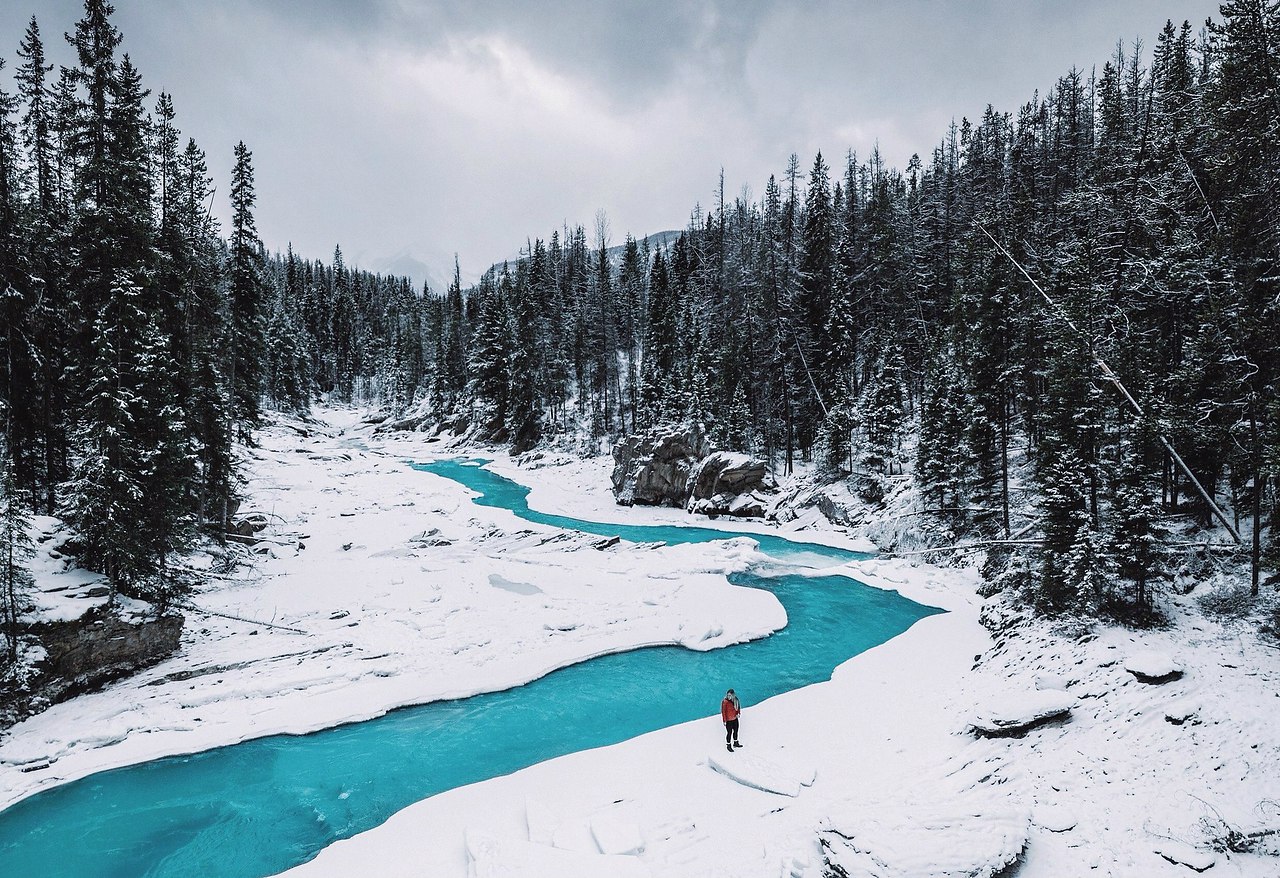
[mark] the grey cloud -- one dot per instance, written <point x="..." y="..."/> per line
<point x="654" y="98"/>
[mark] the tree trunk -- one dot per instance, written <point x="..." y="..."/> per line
<point x="1004" y="462"/>
<point x="1255" y="460"/>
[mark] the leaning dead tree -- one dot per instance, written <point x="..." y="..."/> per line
<point x="1119" y="385"/>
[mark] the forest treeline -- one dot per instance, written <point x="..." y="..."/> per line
<point x="854" y="316"/>
<point x="134" y="333"/>
<point x="961" y="320"/>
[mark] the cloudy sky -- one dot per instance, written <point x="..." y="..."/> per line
<point x="410" y="130"/>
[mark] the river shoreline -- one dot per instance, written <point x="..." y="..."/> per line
<point x="1101" y="793"/>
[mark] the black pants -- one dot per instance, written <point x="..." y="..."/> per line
<point x="731" y="731"/>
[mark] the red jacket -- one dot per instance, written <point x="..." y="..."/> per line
<point x="729" y="709"/>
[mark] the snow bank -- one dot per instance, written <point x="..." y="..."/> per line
<point x="972" y="836"/>
<point x="492" y="857"/>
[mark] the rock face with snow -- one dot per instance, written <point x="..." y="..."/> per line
<point x="88" y="652"/>
<point x="653" y="468"/>
<point x="675" y="466"/>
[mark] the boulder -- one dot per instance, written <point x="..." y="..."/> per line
<point x="653" y="468"/>
<point x="727" y="472"/>
<point x="1013" y="714"/>
<point x="675" y="466"/>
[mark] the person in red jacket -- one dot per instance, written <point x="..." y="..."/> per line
<point x="730" y="708"/>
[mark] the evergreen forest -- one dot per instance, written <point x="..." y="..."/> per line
<point x="1061" y="325"/>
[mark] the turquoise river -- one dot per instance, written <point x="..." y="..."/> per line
<point x="262" y="806"/>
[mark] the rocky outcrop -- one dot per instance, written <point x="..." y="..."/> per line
<point x="84" y="654"/>
<point x="675" y="466"/>
<point x="726" y="472"/>
<point x="653" y="468"/>
<point x="728" y="483"/>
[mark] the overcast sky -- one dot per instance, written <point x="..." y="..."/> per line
<point x="409" y="131"/>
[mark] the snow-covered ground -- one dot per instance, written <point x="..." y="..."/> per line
<point x="408" y="592"/>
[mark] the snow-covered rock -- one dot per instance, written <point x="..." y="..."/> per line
<point x="727" y="472"/>
<point x="1015" y="713"/>
<point x="1054" y="818"/>
<point x="974" y="836"/>
<point x="1153" y="666"/>
<point x="1184" y="854"/>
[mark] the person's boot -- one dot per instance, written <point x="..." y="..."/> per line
<point x="728" y="746"/>
<point x="737" y="743"/>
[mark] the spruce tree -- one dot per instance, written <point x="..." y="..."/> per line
<point x="16" y="550"/>
<point x="245" y="357"/>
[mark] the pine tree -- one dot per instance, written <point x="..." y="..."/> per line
<point x="16" y="550"/>
<point x="1138" y="540"/>
<point x="247" y="329"/>
<point x="490" y="362"/>
<point x="16" y="362"/>
<point x="942" y="458"/>
<point x="1065" y="520"/>
<point x="524" y="415"/>
<point x="205" y="321"/>
<point x="107" y="499"/>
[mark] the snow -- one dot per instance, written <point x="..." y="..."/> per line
<point x="436" y="597"/>
<point x="760" y="773"/>
<point x="1150" y="665"/>
<point x="971" y="835"/>
<point x="492" y="857"/>
<point x="615" y="836"/>
<point x="1010" y="712"/>
<point x="1184" y="854"/>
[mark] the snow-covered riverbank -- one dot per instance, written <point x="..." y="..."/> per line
<point x="406" y="592"/>
<point x="403" y="592"/>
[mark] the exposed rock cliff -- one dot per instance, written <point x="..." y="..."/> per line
<point x="676" y="466"/>
<point x="83" y="654"/>
<point x="653" y="468"/>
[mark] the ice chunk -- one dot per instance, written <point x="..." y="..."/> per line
<point x="542" y="823"/>
<point x="616" y="836"/>
<point x="760" y="773"/>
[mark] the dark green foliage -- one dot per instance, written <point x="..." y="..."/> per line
<point x="247" y="330"/>
<point x="16" y="549"/>
<point x="115" y="403"/>
<point x="821" y="324"/>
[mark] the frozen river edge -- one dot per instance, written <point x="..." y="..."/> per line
<point x="898" y="711"/>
